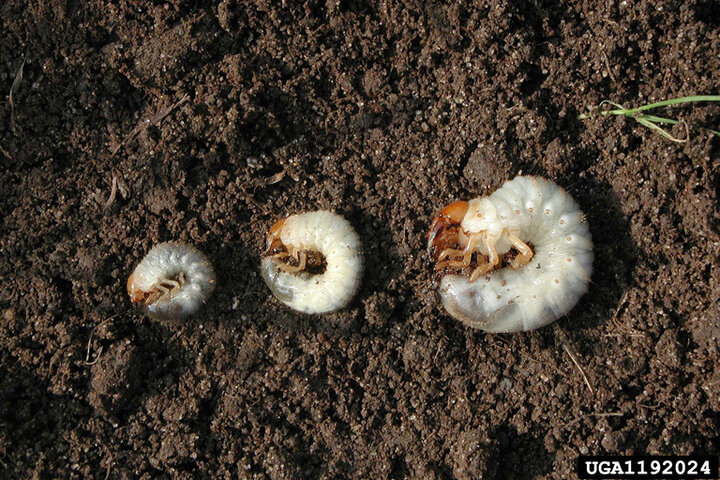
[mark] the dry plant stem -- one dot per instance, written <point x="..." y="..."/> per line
<point x="6" y="153"/>
<point x="607" y="65"/>
<point x="505" y="345"/>
<point x="251" y="200"/>
<point x="143" y="125"/>
<point x="92" y="332"/>
<point x="113" y="193"/>
<point x="615" y="321"/>
<point x="579" y="367"/>
<point x="564" y="342"/>
<point x="582" y="371"/>
<point x="13" y="89"/>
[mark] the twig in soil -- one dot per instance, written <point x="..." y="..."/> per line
<point x="563" y="341"/>
<point x="155" y="120"/>
<point x="13" y="90"/>
<point x="273" y="179"/>
<point x="5" y="152"/>
<point x="506" y="347"/>
<point x="97" y="357"/>
<point x="3" y="454"/>
<point x="543" y="364"/>
<point x="651" y="121"/>
<point x="627" y="331"/>
<point x="607" y="414"/>
<point x="113" y="193"/>
<point x="577" y="364"/>
<point x="174" y="335"/>
<point x="249" y="198"/>
<point x="607" y="65"/>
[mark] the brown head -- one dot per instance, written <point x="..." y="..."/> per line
<point x="136" y="295"/>
<point x="273" y="238"/>
<point x="445" y="227"/>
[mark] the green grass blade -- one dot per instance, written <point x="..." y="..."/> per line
<point x="651" y="121"/>
<point x="608" y="102"/>
<point x="675" y="101"/>
<point x="659" y="130"/>
<point x="654" y="119"/>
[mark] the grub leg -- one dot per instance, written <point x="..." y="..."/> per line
<point x="302" y="263"/>
<point x="459" y="258"/>
<point x="493" y="261"/>
<point x="280" y="255"/>
<point x="526" y="252"/>
<point x="161" y="288"/>
<point x="169" y="285"/>
<point x="157" y="292"/>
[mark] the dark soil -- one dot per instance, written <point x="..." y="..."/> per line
<point x="135" y="124"/>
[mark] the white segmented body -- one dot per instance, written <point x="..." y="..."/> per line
<point x="332" y="236"/>
<point x="540" y="213"/>
<point x="165" y="263"/>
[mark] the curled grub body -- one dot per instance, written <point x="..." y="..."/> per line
<point x="172" y="282"/>
<point x="538" y="222"/>
<point x="322" y="241"/>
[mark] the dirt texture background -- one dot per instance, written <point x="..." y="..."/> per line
<point x="134" y="123"/>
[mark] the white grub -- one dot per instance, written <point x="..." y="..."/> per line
<point x="551" y="271"/>
<point x="311" y="241"/>
<point x="172" y="282"/>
